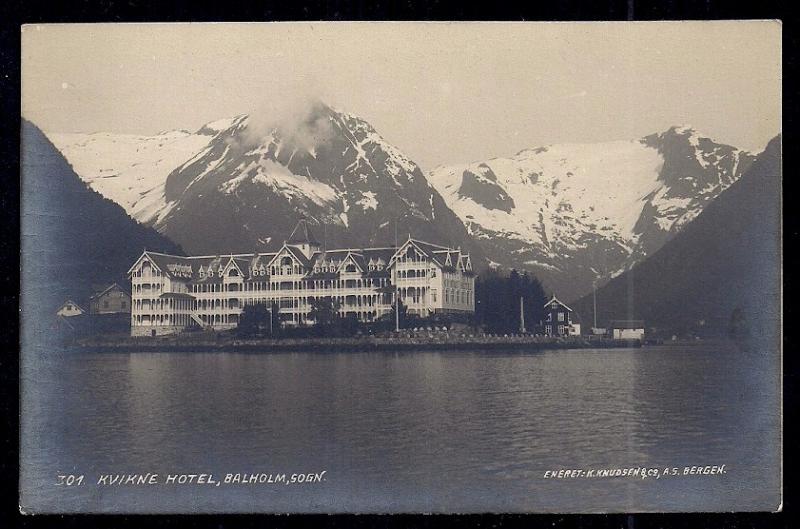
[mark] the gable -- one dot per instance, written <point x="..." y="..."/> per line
<point x="350" y="260"/>
<point x="69" y="307"/>
<point x="113" y="288"/>
<point x="145" y="256"/>
<point x="409" y="246"/>
<point x="231" y="264"/>
<point x="293" y="254"/>
<point x="558" y="305"/>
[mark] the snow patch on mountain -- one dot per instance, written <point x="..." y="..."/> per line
<point x="281" y="180"/>
<point x="368" y="200"/>
<point x="590" y="186"/>
<point x="129" y="169"/>
<point x="579" y="212"/>
<point x="219" y="125"/>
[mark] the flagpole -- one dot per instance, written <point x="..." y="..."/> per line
<point x="396" y="309"/>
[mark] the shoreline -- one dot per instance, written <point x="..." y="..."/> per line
<point x="364" y="344"/>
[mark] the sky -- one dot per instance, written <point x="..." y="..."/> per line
<point x="443" y="93"/>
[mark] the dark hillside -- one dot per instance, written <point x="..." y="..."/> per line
<point x="727" y="260"/>
<point x="72" y="238"/>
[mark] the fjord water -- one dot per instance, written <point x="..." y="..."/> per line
<point x="421" y="432"/>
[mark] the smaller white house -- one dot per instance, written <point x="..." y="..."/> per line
<point x="627" y="329"/>
<point x="69" y="309"/>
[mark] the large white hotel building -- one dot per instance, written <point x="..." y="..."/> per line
<point x="172" y="293"/>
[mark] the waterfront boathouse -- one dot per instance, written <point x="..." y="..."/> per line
<point x="172" y="293"/>
<point x="627" y="329"/>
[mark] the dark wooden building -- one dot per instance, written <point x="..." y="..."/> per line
<point x="557" y="318"/>
<point x="112" y="300"/>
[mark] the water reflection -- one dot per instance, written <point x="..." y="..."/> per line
<point x="433" y="431"/>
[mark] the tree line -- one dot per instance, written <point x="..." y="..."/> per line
<point x="497" y="301"/>
<point x="262" y="320"/>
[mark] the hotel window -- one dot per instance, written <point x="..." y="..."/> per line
<point x="560" y="316"/>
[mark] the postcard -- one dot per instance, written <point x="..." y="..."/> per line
<point x="401" y="267"/>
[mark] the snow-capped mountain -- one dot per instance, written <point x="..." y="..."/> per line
<point x="130" y="169"/>
<point x="240" y="184"/>
<point x="726" y="260"/>
<point x="579" y="213"/>
<point x="571" y="213"/>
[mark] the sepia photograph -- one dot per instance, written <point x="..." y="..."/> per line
<point x="401" y="267"/>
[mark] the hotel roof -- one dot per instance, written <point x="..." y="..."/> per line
<point x="210" y="268"/>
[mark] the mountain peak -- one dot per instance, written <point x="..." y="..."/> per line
<point x="577" y="212"/>
<point x="254" y="175"/>
<point x="685" y="135"/>
<point x="212" y="128"/>
<point x="682" y="129"/>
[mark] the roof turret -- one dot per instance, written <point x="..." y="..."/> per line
<point x="301" y="234"/>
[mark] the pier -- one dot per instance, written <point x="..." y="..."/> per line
<point x="408" y="341"/>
